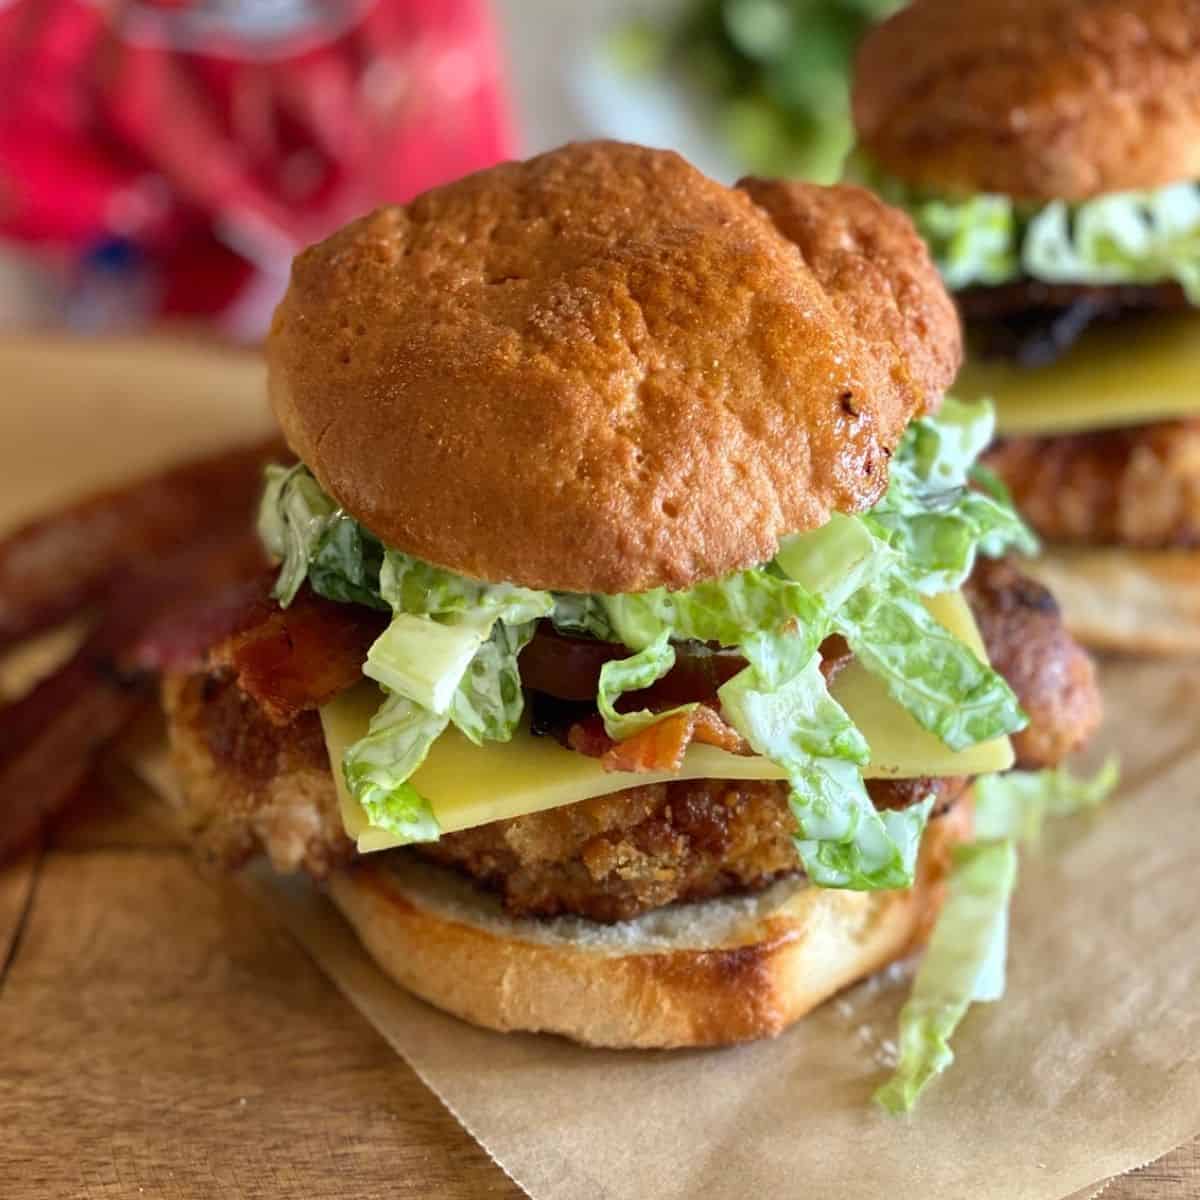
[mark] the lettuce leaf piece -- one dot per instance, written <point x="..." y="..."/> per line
<point x="923" y="537"/>
<point x="1118" y="238"/>
<point x="938" y="452"/>
<point x="788" y="716"/>
<point x="488" y="703"/>
<point x="833" y="562"/>
<point x="726" y="610"/>
<point x="292" y="519"/>
<point x="964" y="964"/>
<point x="931" y="516"/>
<point x="453" y="642"/>
<point x="972" y="241"/>
<point x="926" y="670"/>
<point x="378" y="766"/>
<point x="1016" y="804"/>
<point x="424" y="659"/>
<point x="421" y="589"/>
<point x="1127" y="237"/>
<point x="345" y="563"/>
<point x="582" y="613"/>
<point x="631" y="674"/>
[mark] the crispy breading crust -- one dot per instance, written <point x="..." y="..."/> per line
<point x="1027" y="642"/>
<point x="1137" y="487"/>
<point x="616" y="856"/>
<point x="248" y="785"/>
<point x="1037" y="99"/>
<point x="599" y="370"/>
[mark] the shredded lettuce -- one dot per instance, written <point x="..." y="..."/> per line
<point x="932" y="516"/>
<point x="973" y="241"/>
<point x="921" y="539"/>
<point x="926" y="670"/>
<point x="789" y="717"/>
<point x="377" y="767"/>
<point x="724" y="610"/>
<point x="964" y="964"/>
<point x="835" y="561"/>
<point x="631" y="674"/>
<point x="449" y="655"/>
<point x="965" y="961"/>
<point x="1015" y="805"/>
<point x="425" y="659"/>
<point x="488" y="703"/>
<point x="1131" y="237"/>
<point x="1118" y="238"/>
<point x="292" y="519"/>
<point x="412" y="586"/>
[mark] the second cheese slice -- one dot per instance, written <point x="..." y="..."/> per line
<point x="1129" y="374"/>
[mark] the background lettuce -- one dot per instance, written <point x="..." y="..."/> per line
<point x="1122" y="237"/>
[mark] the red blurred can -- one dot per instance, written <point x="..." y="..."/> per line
<point x="211" y="139"/>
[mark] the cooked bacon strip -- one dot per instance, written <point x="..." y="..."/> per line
<point x="288" y="660"/>
<point x="586" y="736"/>
<point x="50" y="738"/>
<point x="303" y="656"/>
<point x="658" y="747"/>
<point x="58" y="564"/>
<point x="183" y="640"/>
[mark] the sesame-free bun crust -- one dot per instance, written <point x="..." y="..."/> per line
<point x="704" y="974"/>
<point x="599" y="370"/>
<point x="1124" y="600"/>
<point x="1038" y="99"/>
<point x="874" y="267"/>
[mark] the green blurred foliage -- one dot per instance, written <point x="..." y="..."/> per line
<point x="775" y="73"/>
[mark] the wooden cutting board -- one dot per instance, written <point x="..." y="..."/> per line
<point x="160" y="1035"/>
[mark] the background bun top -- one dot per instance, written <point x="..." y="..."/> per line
<point x="599" y="370"/>
<point x="1038" y="99"/>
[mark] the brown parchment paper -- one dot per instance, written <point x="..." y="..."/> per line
<point x="1089" y="1066"/>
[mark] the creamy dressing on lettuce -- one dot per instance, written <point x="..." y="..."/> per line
<point x="1120" y="238"/>
<point x="449" y="657"/>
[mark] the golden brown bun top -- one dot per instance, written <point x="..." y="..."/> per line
<point x="1037" y="99"/>
<point x="599" y="370"/>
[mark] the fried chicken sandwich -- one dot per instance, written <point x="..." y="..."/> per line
<point x="1049" y="152"/>
<point x="618" y="674"/>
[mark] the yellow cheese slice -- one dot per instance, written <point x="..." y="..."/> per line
<point x="468" y="785"/>
<point x="1131" y="374"/>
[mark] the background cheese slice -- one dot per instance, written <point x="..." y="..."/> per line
<point x="1131" y="374"/>
<point x="469" y="785"/>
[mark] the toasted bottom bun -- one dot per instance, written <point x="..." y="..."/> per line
<point x="1137" y="601"/>
<point x="702" y="974"/>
